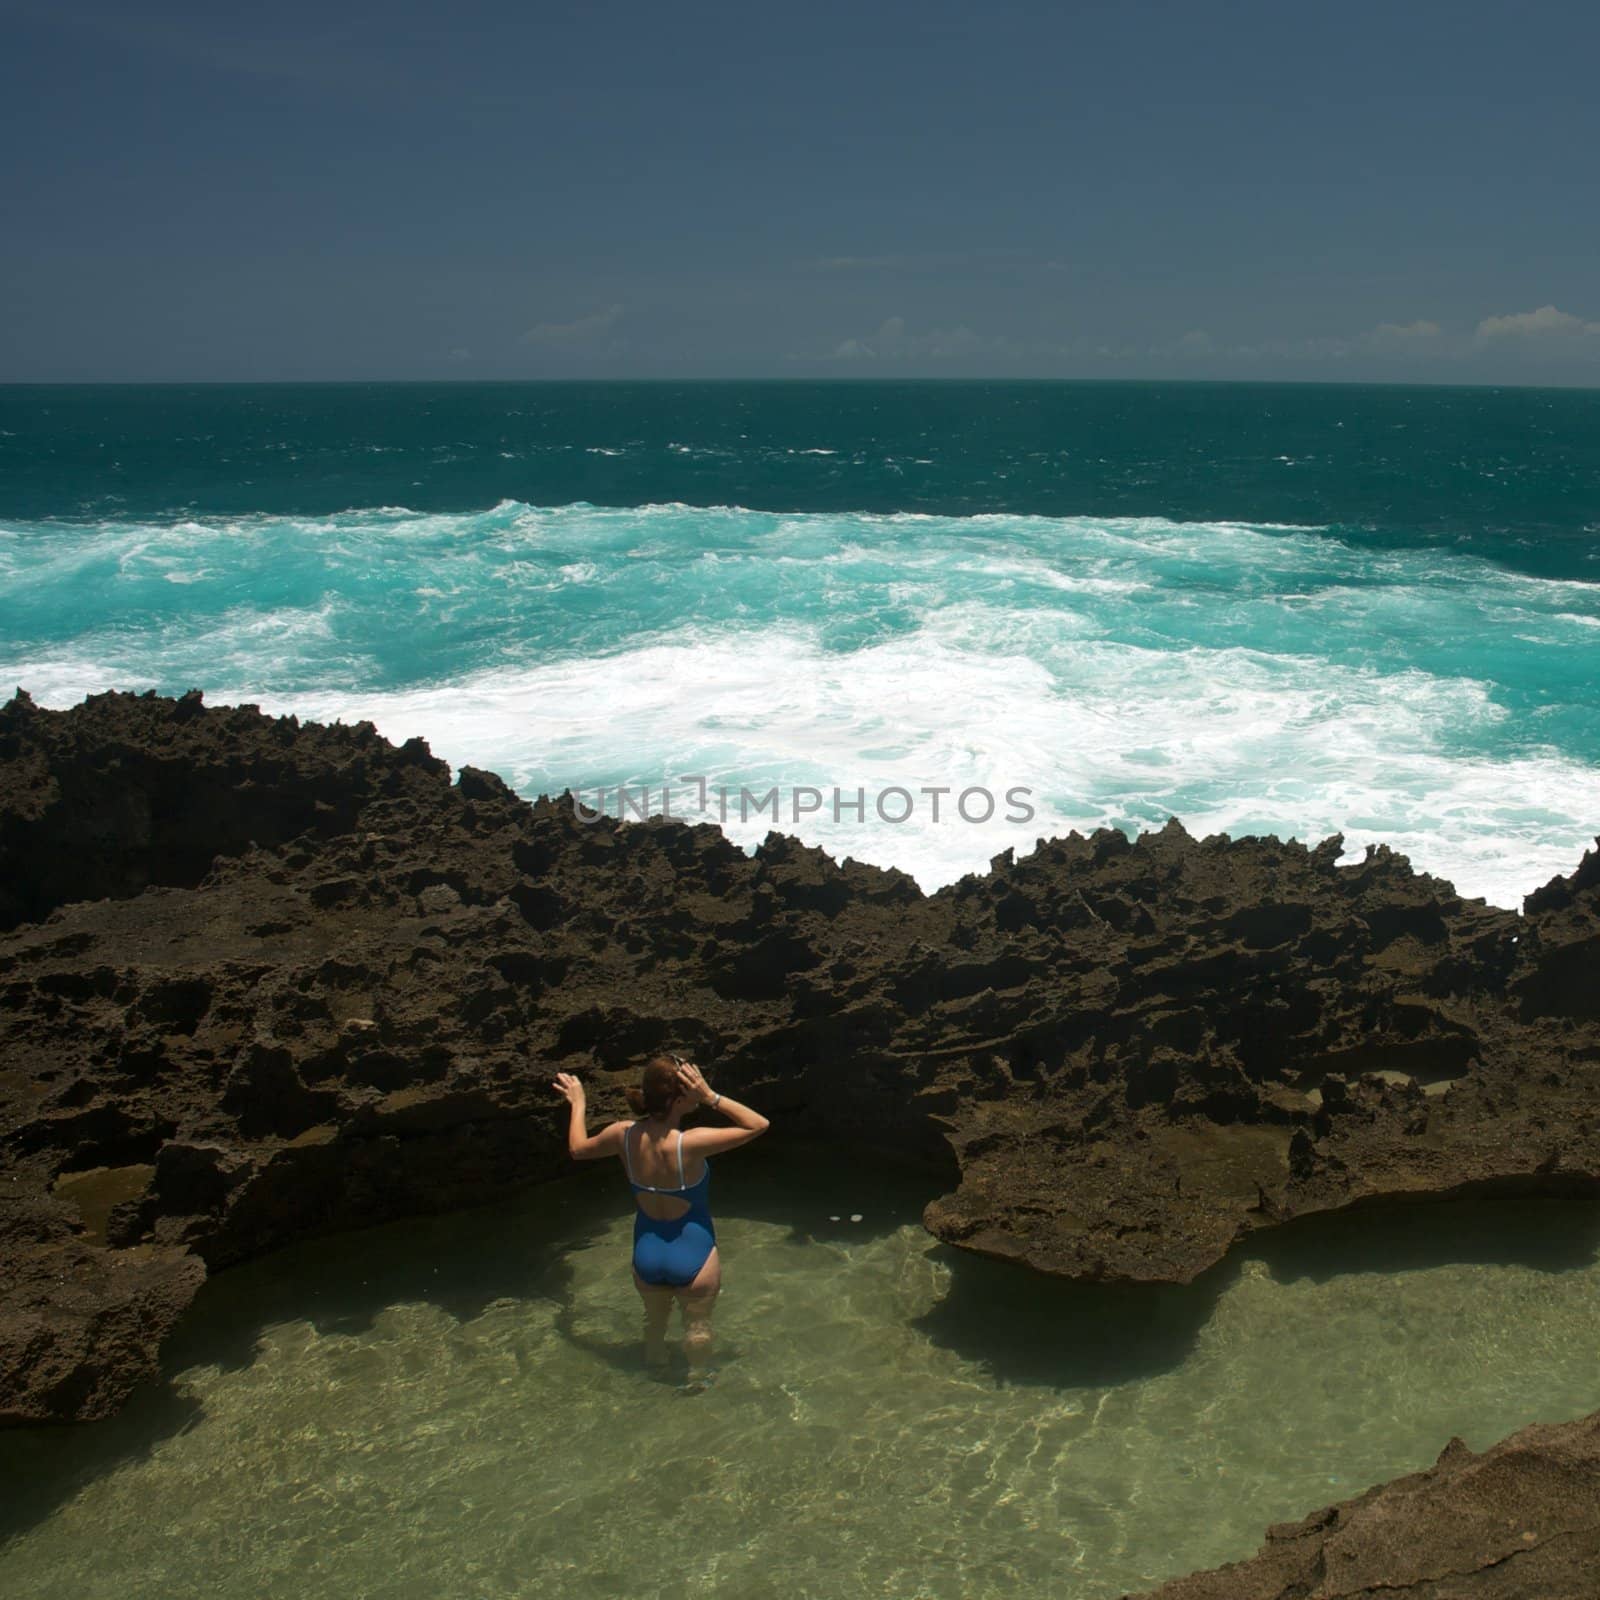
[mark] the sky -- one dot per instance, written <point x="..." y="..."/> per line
<point x="495" y="189"/>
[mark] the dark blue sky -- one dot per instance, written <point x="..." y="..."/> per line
<point x="1402" y="191"/>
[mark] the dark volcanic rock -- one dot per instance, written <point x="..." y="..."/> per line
<point x="80" y="1324"/>
<point x="262" y="980"/>
<point x="1519" y="1522"/>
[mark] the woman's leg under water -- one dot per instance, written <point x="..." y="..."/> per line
<point x="697" y="1299"/>
<point x="657" y="1299"/>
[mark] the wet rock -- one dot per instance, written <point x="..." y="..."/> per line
<point x="80" y="1325"/>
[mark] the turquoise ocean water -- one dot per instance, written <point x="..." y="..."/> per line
<point x="1262" y="608"/>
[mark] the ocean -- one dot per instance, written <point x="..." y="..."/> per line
<point x="915" y="623"/>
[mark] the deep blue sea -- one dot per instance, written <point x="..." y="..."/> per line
<point x="1286" y="609"/>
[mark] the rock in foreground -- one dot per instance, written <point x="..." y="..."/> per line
<point x="1519" y="1522"/>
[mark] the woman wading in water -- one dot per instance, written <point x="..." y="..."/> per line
<point x="674" y="1242"/>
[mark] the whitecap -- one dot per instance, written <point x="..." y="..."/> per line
<point x="1247" y="678"/>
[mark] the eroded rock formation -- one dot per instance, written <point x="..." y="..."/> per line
<point x="1521" y="1521"/>
<point x="261" y="979"/>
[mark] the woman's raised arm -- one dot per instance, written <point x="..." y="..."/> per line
<point x="579" y="1145"/>
<point x="747" y="1124"/>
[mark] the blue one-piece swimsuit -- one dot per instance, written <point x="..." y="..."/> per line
<point x="670" y="1253"/>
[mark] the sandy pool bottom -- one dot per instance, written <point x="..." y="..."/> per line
<point x="455" y="1406"/>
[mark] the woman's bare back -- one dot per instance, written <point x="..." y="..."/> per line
<point x="655" y="1161"/>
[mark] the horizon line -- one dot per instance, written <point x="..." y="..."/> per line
<point x="863" y="379"/>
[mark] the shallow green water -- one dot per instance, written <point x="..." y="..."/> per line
<point x="454" y="1406"/>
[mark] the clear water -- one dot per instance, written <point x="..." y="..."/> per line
<point x="455" y="1406"/>
<point x="1265" y="609"/>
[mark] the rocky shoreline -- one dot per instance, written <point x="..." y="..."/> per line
<point x="1521" y="1521"/>
<point x="264" y="979"/>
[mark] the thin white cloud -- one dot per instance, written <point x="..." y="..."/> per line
<point x="1420" y="345"/>
<point x="1546" y="322"/>
<point x="1199" y="345"/>
<point x="1321" y="347"/>
<point x="867" y="263"/>
<point x="1403" y="333"/>
<point x="927" y="261"/>
<point x="895" y="342"/>
<point x="576" y="332"/>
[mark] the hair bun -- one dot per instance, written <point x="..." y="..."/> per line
<point x="658" y="1085"/>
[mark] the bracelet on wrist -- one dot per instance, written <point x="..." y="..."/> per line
<point x="715" y="1100"/>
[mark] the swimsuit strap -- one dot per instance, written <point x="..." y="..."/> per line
<point x="651" y="1188"/>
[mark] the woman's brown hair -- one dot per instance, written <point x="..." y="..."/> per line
<point x="658" y="1087"/>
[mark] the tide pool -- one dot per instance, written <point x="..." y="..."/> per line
<point x="455" y="1405"/>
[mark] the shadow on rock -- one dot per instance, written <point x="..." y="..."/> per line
<point x="1026" y="1328"/>
<point x="1547" y="1233"/>
<point x="42" y="1468"/>
<point x="822" y="1191"/>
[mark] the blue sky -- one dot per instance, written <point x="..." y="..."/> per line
<point x="1398" y="192"/>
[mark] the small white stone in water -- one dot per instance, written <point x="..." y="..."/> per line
<point x="833" y="1219"/>
<point x="855" y="1216"/>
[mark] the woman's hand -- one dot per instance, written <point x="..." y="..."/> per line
<point x="692" y="1084"/>
<point x="570" y="1089"/>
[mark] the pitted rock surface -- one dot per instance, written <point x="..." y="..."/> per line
<point x="261" y="979"/>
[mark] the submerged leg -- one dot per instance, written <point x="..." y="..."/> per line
<point x="697" y="1300"/>
<point x="657" y="1299"/>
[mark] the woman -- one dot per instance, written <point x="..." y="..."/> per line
<point x="674" y="1242"/>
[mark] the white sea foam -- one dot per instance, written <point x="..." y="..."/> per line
<point x="1101" y="733"/>
<point x="225" y="656"/>
<point x="1248" y="680"/>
